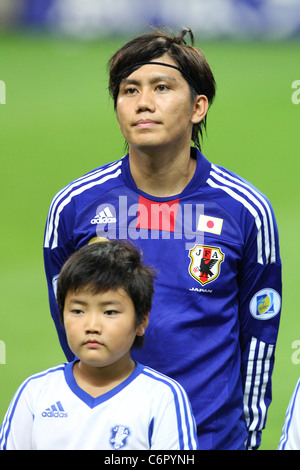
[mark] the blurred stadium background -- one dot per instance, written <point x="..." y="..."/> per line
<point x="57" y="122"/>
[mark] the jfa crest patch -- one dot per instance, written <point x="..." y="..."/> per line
<point x="205" y="265"/>
<point x="119" y="435"/>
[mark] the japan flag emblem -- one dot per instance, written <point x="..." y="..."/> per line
<point x="205" y="264"/>
<point x="210" y="224"/>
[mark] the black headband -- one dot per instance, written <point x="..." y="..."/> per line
<point x="187" y="77"/>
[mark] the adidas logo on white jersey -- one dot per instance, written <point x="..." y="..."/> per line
<point x="55" y="411"/>
<point x="104" y="217"/>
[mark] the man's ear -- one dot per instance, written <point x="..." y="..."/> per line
<point x="143" y="325"/>
<point x="200" y="109"/>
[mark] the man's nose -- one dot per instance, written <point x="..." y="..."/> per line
<point x="145" y="101"/>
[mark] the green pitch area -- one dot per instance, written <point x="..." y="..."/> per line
<point x="58" y="123"/>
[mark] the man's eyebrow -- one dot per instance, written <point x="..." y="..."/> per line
<point x="152" y="81"/>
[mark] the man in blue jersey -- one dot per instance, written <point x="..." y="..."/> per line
<point x="210" y="235"/>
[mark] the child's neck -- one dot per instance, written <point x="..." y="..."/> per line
<point x="99" y="380"/>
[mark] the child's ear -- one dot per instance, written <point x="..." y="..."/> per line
<point x="143" y="325"/>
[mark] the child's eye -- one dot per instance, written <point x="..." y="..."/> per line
<point x="110" y="313"/>
<point x="77" y="311"/>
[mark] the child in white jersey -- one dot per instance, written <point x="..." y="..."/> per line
<point x="103" y="399"/>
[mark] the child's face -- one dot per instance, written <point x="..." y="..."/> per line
<point x="101" y="328"/>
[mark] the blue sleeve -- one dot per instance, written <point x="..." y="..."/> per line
<point x="259" y="311"/>
<point x="58" y="246"/>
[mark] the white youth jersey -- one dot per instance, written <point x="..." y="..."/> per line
<point x="290" y="438"/>
<point x="146" y="411"/>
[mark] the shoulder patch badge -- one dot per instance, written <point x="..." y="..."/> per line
<point x="265" y="304"/>
<point x="205" y="265"/>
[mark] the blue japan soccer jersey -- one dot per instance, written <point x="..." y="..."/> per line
<point x="215" y="316"/>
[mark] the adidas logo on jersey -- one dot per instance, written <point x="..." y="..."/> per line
<point x="55" y="411"/>
<point x="104" y="217"/>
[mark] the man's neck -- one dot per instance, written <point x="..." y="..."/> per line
<point x="161" y="174"/>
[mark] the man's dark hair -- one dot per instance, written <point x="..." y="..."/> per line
<point x="104" y="266"/>
<point x="190" y="60"/>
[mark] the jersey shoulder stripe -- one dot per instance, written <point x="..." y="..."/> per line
<point x="63" y="197"/>
<point x="185" y="419"/>
<point x="256" y="203"/>
<point x="5" y="427"/>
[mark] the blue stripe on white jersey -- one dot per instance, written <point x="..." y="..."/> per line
<point x="288" y="418"/>
<point x="64" y="196"/>
<point x="186" y="425"/>
<point x="257" y="206"/>
<point x="255" y="408"/>
<point x="5" y="427"/>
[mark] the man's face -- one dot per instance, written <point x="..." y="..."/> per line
<point x="154" y="107"/>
